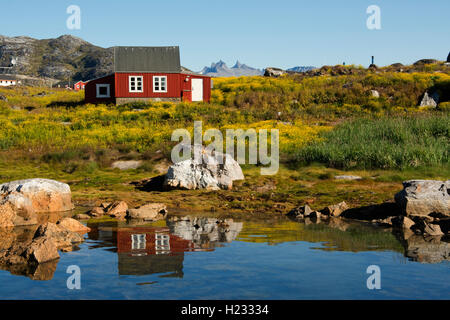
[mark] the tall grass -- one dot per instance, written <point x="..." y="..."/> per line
<point x="387" y="143"/>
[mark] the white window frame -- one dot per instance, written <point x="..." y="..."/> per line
<point x="108" y="91"/>
<point x="135" y="79"/>
<point x="162" y="243"/>
<point x="138" y="242"/>
<point x="157" y="80"/>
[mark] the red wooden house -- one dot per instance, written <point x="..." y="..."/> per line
<point x="80" y="85"/>
<point x="148" y="74"/>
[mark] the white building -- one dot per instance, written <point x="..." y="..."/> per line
<point x="6" y="81"/>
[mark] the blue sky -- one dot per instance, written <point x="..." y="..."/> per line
<point x="282" y="33"/>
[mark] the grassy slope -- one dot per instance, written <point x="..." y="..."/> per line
<point x="62" y="139"/>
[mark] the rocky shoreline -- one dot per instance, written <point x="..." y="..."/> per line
<point x="422" y="207"/>
<point x="420" y="214"/>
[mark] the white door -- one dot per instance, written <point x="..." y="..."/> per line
<point x="197" y="89"/>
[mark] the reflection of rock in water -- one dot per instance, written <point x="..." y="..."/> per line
<point x="43" y="271"/>
<point x="426" y="249"/>
<point x="8" y="237"/>
<point x="130" y="264"/>
<point x="204" y="231"/>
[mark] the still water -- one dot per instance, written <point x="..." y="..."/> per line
<point x="199" y="258"/>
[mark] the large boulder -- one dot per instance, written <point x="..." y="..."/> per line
<point x="215" y="172"/>
<point x="37" y="195"/>
<point x="273" y="72"/>
<point x="423" y="198"/>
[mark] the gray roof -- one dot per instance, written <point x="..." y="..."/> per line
<point x="7" y="77"/>
<point x="147" y="59"/>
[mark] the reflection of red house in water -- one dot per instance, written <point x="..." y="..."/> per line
<point x="143" y="251"/>
<point x="151" y="241"/>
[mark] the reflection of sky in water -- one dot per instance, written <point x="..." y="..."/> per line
<point x="242" y="269"/>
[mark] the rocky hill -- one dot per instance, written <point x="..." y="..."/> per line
<point x="301" y="68"/>
<point x="63" y="58"/>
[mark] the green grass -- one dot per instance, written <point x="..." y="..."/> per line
<point x="386" y="143"/>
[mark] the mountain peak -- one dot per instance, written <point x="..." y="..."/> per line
<point x="220" y="69"/>
<point x="219" y="64"/>
<point x="238" y="65"/>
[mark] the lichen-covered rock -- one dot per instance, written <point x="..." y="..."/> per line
<point x="213" y="173"/>
<point x="37" y="195"/>
<point x="423" y="198"/>
<point x="148" y="212"/>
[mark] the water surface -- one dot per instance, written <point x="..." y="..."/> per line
<point x="198" y="258"/>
